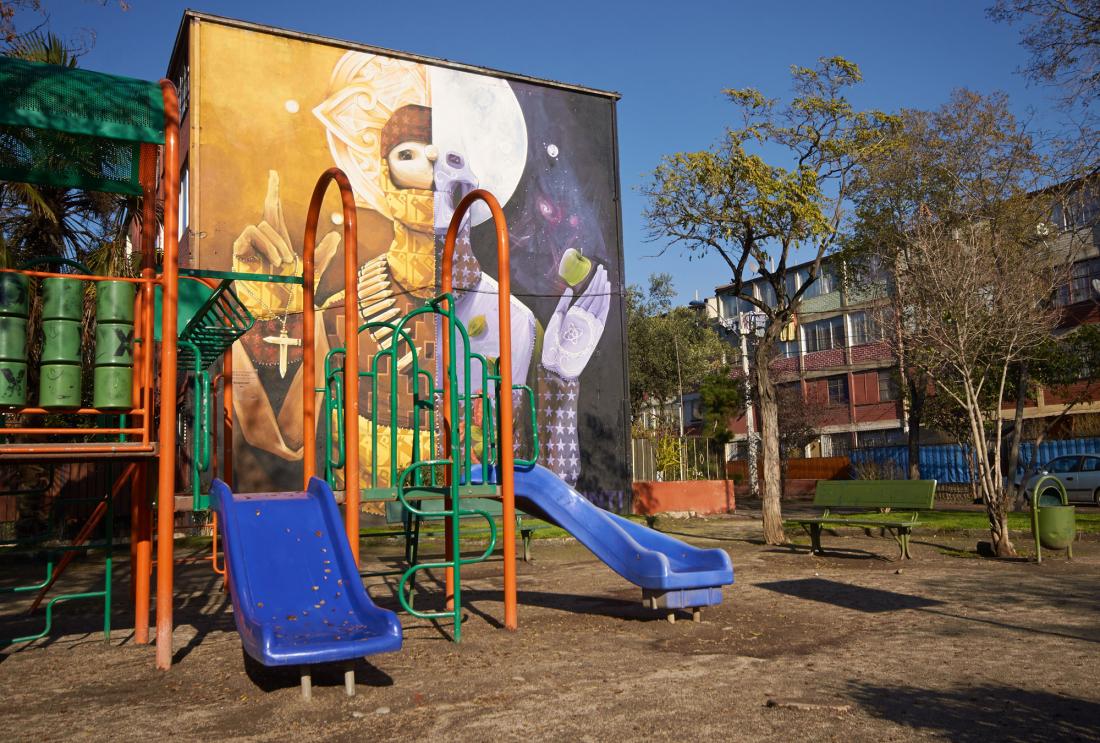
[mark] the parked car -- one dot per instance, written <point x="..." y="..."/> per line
<point x="1079" y="473"/>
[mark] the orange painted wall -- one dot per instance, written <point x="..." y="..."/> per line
<point x="700" y="496"/>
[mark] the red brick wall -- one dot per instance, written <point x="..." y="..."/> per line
<point x="870" y="352"/>
<point x="819" y="360"/>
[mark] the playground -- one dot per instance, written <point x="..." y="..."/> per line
<point x="317" y="490"/>
<point x="843" y="647"/>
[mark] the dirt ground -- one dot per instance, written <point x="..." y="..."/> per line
<point x="850" y="646"/>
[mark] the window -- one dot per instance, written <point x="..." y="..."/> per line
<point x="825" y="283"/>
<point x="864" y="329"/>
<point x="1090" y="464"/>
<point x="793" y="280"/>
<point x="1080" y="286"/>
<point x="763" y="291"/>
<point x="184" y="200"/>
<point x="1063" y="464"/>
<point x="837" y="444"/>
<point x="838" y="390"/>
<point x="824" y="335"/>
<point x="882" y="437"/>
<point x="789" y="349"/>
<point x="887" y="386"/>
<point x="1080" y="210"/>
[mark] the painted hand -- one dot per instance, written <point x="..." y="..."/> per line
<point x="266" y="247"/>
<point x="574" y="331"/>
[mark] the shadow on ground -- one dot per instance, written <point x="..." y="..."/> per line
<point x="980" y="714"/>
<point x="847" y="596"/>
<point x="273" y="678"/>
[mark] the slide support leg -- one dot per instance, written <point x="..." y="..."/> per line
<point x="307" y="683"/>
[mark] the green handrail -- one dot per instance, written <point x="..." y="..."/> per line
<point x="455" y="513"/>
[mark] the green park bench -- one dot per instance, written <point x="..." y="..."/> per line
<point x="492" y="506"/>
<point x="857" y="497"/>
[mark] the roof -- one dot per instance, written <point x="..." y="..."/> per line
<point x="68" y="127"/>
<point x="190" y="15"/>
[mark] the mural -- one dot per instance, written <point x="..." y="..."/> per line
<point x="413" y="139"/>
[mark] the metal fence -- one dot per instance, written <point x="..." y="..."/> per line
<point x="949" y="463"/>
<point x="673" y="458"/>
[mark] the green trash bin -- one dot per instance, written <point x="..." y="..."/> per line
<point x="1053" y="519"/>
<point x="1057" y="526"/>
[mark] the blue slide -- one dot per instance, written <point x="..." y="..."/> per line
<point x="671" y="573"/>
<point x="297" y="596"/>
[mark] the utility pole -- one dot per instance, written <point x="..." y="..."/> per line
<point x="750" y="425"/>
<point x="680" y="384"/>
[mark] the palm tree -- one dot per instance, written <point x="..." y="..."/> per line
<point x="51" y="221"/>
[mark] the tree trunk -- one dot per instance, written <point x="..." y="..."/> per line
<point x="998" y="527"/>
<point x="1014" y="443"/>
<point x="769" y="434"/>
<point x="913" y="416"/>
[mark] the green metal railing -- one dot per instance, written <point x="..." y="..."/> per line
<point x="422" y="476"/>
<point x="108" y="546"/>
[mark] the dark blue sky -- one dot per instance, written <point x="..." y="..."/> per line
<point x="669" y="60"/>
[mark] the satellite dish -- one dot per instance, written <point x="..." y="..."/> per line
<point x="1042" y="229"/>
<point x="1096" y="287"/>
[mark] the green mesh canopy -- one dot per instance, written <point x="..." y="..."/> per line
<point x="63" y="126"/>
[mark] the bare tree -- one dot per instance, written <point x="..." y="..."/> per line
<point x="1063" y="40"/>
<point x="977" y="305"/>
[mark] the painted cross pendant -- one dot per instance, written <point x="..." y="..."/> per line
<point x="284" y="342"/>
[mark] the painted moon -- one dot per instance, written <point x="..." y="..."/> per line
<point x="480" y="118"/>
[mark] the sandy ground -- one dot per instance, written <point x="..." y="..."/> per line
<point x="850" y="646"/>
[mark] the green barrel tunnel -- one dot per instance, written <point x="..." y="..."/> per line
<point x="62" y="299"/>
<point x="114" y="346"/>
<point x="61" y="341"/>
<point x="59" y="386"/>
<point x="14" y="309"/>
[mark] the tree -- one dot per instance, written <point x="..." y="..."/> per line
<point x="672" y="349"/>
<point x="728" y="202"/>
<point x="1063" y="39"/>
<point x="979" y="310"/>
<point x="722" y="396"/>
<point x="973" y="276"/>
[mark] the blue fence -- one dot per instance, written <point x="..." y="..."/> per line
<point x="947" y="462"/>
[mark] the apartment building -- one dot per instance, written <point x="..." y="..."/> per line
<point x="836" y="362"/>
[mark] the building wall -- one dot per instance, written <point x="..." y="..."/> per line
<point x="270" y="111"/>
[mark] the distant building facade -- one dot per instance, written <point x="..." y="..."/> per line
<point x="839" y="365"/>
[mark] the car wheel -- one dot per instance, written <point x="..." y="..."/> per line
<point x="1096" y="497"/>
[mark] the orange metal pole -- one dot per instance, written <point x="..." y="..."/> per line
<point x="81" y="411"/>
<point x="141" y="530"/>
<point x="80" y="276"/>
<point x="351" y="348"/>
<point x="73" y="432"/>
<point x="75" y="449"/>
<point x="504" y="403"/>
<point x="227" y="417"/>
<point x="166" y="480"/>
